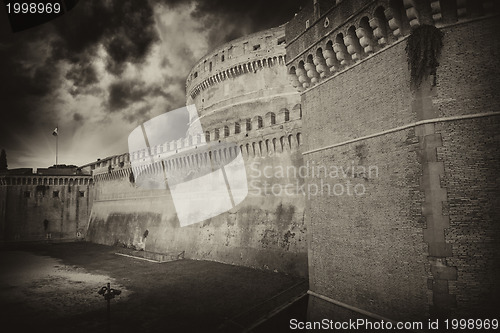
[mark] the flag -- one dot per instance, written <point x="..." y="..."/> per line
<point x="54" y="133"/>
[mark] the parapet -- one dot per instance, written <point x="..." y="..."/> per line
<point x="243" y="55"/>
<point x="331" y="36"/>
<point x="36" y="179"/>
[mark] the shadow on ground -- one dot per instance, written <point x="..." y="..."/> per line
<point x="53" y="287"/>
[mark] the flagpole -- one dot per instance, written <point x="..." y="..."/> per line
<point x="57" y="141"/>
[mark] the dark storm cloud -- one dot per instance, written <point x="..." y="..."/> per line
<point x="138" y="116"/>
<point x="123" y="94"/>
<point x="26" y="83"/>
<point x="82" y="75"/>
<point x="36" y="64"/>
<point x="124" y="27"/>
<point x="227" y="19"/>
<point x="29" y="60"/>
<point x="77" y="117"/>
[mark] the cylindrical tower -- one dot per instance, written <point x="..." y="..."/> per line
<point x="239" y="82"/>
<point x="242" y="93"/>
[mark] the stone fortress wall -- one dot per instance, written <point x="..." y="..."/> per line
<point x="423" y="239"/>
<point x="37" y="206"/>
<point x="243" y="97"/>
<point x="331" y="88"/>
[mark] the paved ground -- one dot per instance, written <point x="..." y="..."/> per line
<point x="53" y="287"/>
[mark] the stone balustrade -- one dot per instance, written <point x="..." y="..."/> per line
<point x="374" y="27"/>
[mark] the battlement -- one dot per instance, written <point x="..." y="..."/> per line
<point x="260" y="135"/>
<point x="192" y="158"/>
<point x="63" y="175"/>
<point x="328" y="38"/>
<point x="243" y="55"/>
<point x="45" y="180"/>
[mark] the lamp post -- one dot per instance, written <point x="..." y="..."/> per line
<point x="109" y="294"/>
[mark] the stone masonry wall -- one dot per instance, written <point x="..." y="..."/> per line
<point x="25" y="207"/>
<point x="265" y="231"/>
<point x="424" y="238"/>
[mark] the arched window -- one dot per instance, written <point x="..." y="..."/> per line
<point x="226" y="131"/>
<point x="271" y="118"/>
<point x="237" y="128"/>
<point x="260" y="123"/>
<point x="249" y="124"/>
<point x="207" y="136"/>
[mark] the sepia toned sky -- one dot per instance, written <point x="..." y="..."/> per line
<point x="105" y="67"/>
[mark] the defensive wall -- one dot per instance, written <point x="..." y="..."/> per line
<point x="422" y="239"/>
<point x="243" y="97"/>
<point x="47" y="205"/>
<point x="403" y="223"/>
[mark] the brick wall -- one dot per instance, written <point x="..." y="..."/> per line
<point x="366" y="250"/>
<point x="361" y="101"/>
<point x="424" y="239"/>
<point x="471" y="156"/>
<point x="468" y="77"/>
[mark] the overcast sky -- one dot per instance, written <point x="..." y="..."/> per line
<point x="105" y="67"/>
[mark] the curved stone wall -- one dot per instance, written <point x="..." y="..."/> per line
<point x="242" y="96"/>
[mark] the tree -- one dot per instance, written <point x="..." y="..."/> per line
<point x="3" y="160"/>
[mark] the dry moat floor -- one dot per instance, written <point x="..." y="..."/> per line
<point x="53" y="288"/>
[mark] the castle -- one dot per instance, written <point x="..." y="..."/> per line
<point x="396" y="217"/>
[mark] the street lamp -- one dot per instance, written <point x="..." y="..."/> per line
<point x="109" y="294"/>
